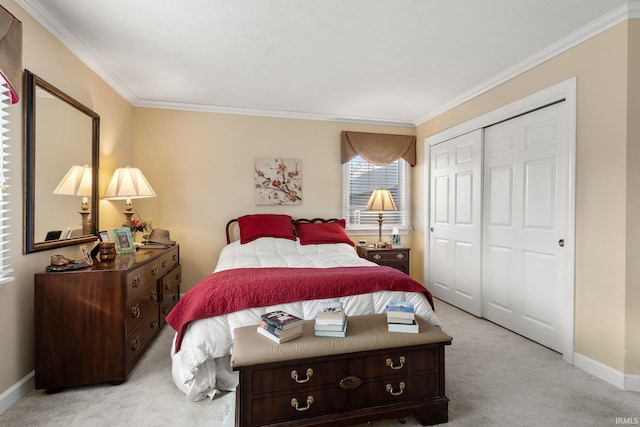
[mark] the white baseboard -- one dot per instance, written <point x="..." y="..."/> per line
<point x="607" y="373"/>
<point x="17" y="392"/>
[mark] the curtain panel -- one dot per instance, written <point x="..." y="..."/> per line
<point x="11" y="52"/>
<point x="377" y="148"/>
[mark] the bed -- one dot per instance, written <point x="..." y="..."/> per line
<point x="277" y="264"/>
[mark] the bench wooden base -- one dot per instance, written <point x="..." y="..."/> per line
<point x="372" y="374"/>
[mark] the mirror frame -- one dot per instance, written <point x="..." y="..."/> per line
<point x="29" y="166"/>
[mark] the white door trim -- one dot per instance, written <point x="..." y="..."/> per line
<point x="564" y="90"/>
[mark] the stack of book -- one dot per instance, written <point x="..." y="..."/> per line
<point x="401" y="317"/>
<point x="330" y="320"/>
<point x="280" y="326"/>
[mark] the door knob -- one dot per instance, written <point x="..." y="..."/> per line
<point x="432" y="229"/>
<point x="561" y="243"/>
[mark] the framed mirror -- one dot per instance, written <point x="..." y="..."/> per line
<point x="61" y="152"/>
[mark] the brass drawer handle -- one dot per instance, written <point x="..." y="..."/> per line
<point x="164" y="264"/>
<point x="165" y="309"/>
<point x="154" y="270"/>
<point x="175" y="257"/>
<point x="395" y="393"/>
<point x="294" y="403"/>
<point x="153" y="324"/>
<point x="167" y="285"/>
<point x="400" y="256"/>
<point x="135" y="311"/>
<point x="396" y="367"/>
<point x="294" y="376"/>
<point x="135" y="344"/>
<point x="135" y="282"/>
<point x="154" y="296"/>
<point x="376" y="256"/>
<point x="174" y="298"/>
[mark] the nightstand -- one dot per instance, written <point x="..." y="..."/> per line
<point x="391" y="257"/>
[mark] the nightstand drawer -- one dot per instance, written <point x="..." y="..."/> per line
<point x="388" y="255"/>
<point x="397" y="258"/>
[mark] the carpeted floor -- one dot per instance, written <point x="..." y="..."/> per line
<point x="493" y="378"/>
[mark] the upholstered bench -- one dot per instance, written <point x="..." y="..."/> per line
<point x="371" y="374"/>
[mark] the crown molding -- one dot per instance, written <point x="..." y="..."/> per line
<point x="630" y="10"/>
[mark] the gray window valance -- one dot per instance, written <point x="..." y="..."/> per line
<point x="377" y="148"/>
<point x="11" y="52"/>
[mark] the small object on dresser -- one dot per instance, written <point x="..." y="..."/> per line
<point x="281" y="319"/>
<point x="401" y="317"/>
<point x="330" y="320"/>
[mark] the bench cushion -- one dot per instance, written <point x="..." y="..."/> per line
<point x="363" y="333"/>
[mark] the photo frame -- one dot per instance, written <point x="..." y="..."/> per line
<point x="87" y="256"/>
<point x="123" y="240"/>
<point x="104" y="236"/>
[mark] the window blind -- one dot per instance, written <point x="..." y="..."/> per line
<point x="5" y="101"/>
<point x="360" y="178"/>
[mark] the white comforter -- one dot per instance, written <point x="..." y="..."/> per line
<point x="201" y="367"/>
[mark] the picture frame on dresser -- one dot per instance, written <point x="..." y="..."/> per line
<point x="124" y="240"/>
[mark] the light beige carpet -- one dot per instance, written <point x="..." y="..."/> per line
<point x="493" y="378"/>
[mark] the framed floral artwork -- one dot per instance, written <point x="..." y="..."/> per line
<point x="278" y="182"/>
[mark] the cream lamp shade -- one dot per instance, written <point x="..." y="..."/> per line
<point x="381" y="200"/>
<point x="77" y="182"/>
<point x="126" y="184"/>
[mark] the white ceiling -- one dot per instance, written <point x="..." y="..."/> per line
<point x="383" y="61"/>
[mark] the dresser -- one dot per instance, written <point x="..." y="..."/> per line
<point x="93" y="325"/>
<point x="369" y="375"/>
<point x="392" y="257"/>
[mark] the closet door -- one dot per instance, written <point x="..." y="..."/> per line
<point x="525" y="211"/>
<point x="455" y="222"/>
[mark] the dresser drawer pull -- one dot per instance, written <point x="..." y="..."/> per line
<point x="392" y="366"/>
<point x="395" y="393"/>
<point x="400" y="256"/>
<point x="174" y="298"/>
<point x="350" y="383"/>
<point x="167" y="285"/>
<point x="174" y="257"/>
<point x="376" y="256"/>
<point x="294" y="376"/>
<point x="164" y="264"/>
<point x="135" y="344"/>
<point x="294" y="403"/>
<point x="154" y="296"/>
<point x="135" y="282"/>
<point x="165" y="309"/>
<point x="154" y="270"/>
<point x="153" y="324"/>
<point x="135" y="311"/>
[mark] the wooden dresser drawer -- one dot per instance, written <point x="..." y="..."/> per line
<point x="169" y="290"/>
<point x="396" y="389"/>
<point x="308" y="403"/>
<point x="140" y="338"/>
<point x="398" y="362"/>
<point x="308" y="375"/>
<point x="141" y="306"/>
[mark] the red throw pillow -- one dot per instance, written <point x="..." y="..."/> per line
<point x="253" y="227"/>
<point x="319" y="233"/>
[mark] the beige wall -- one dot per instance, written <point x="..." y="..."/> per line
<point x="202" y="168"/>
<point x="632" y="363"/>
<point x="45" y="56"/>
<point x="600" y="65"/>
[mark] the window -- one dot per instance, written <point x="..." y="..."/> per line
<point x="359" y="179"/>
<point x="5" y="101"/>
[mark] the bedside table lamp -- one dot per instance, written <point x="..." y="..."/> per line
<point x="126" y="184"/>
<point x="77" y="182"/>
<point x="381" y="200"/>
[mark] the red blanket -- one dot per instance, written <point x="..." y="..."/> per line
<point x="232" y="290"/>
